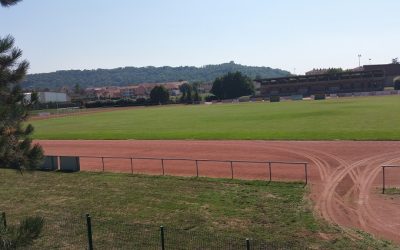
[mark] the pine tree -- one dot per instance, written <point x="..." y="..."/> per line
<point x="7" y="3"/>
<point x="16" y="149"/>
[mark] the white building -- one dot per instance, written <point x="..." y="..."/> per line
<point x="46" y="97"/>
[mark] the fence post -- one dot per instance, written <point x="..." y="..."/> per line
<point x="89" y="231"/>
<point x="3" y="216"/>
<point x="162" y="166"/>
<point x="247" y="244"/>
<point x="162" y="238"/>
<point x="383" y="179"/>
<point x="197" y="169"/>
<point x="102" y="160"/>
<point x="131" y="165"/>
<point x="232" y="169"/>
<point x="270" y="171"/>
<point x="306" y="172"/>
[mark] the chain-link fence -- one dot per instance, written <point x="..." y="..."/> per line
<point x="84" y="232"/>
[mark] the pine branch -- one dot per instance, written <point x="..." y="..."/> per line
<point x="8" y="3"/>
<point x="6" y="44"/>
<point x="16" y="150"/>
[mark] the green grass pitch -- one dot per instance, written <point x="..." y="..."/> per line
<point x="362" y="118"/>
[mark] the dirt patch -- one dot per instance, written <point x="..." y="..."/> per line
<point x="344" y="175"/>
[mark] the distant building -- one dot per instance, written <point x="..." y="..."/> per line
<point x="173" y="87"/>
<point x="129" y="91"/>
<point x="392" y="72"/>
<point x="362" y="81"/>
<point x="46" y="97"/>
<point x="205" y="87"/>
<point x="134" y="91"/>
<point x="64" y="89"/>
<point x="257" y="87"/>
<point x="109" y="92"/>
<point x="144" y="89"/>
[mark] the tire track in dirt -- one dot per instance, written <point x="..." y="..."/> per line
<point x="351" y="208"/>
<point x="367" y="213"/>
<point x="335" y="207"/>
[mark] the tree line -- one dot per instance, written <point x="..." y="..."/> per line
<point x="134" y="75"/>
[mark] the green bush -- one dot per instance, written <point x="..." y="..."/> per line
<point x="397" y="85"/>
<point x="275" y="98"/>
<point x="125" y="102"/>
<point x="210" y="98"/>
<point x="23" y="235"/>
<point x="319" y="97"/>
<point x="100" y="103"/>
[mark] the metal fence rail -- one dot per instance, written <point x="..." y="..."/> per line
<point x="384" y="176"/>
<point x="231" y="163"/>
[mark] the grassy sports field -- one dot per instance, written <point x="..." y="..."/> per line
<point x="362" y="118"/>
<point x="204" y="208"/>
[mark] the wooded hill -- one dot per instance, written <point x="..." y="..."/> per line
<point x="133" y="75"/>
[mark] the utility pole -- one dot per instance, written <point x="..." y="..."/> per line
<point x="359" y="60"/>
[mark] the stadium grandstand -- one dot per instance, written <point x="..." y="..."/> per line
<point x="365" y="79"/>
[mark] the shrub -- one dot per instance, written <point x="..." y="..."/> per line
<point x="100" y="104"/>
<point x="23" y="235"/>
<point x="397" y="84"/>
<point x="244" y="98"/>
<point x="319" y="97"/>
<point x="141" y="101"/>
<point x="125" y="102"/>
<point x="210" y="98"/>
<point x="275" y="98"/>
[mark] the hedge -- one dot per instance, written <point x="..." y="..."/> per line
<point x="275" y="98"/>
<point x="319" y="97"/>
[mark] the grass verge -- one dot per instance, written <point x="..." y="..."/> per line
<point x="129" y="208"/>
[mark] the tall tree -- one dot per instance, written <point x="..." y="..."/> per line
<point x="395" y="60"/>
<point x="232" y="85"/>
<point x="159" y="95"/>
<point x="196" y="96"/>
<point x="16" y="150"/>
<point x="187" y="92"/>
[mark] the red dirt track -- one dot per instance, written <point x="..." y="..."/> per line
<point x="345" y="176"/>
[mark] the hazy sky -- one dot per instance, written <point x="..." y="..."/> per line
<point x="286" y="34"/>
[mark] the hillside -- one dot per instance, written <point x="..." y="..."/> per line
<point x="133" y="75"/>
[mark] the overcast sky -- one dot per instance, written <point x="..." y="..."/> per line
<point x="286" y="34"/>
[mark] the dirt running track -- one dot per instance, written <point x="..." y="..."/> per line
<point x="345" y="176"/>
